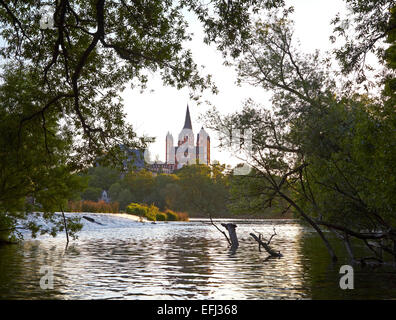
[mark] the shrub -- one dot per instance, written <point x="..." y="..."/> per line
<point x="182" y="216"/>
<point x="171" y="215"/>
<point x="161" y="216"/>
<point x="142" y="210"/>
<point x="152" y="212"/>
<point x="176" y="216"/>
<point x="137" y="209"/>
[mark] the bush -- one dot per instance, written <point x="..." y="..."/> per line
<point x="171" y="215"/>
<point x="142" y="210"/>
<point x="161" y="216"/>
<point x="153" y="213"/>
<point x="182" y="216"/>
<point x="137" y="209"/>
<point x="176" y="216"/>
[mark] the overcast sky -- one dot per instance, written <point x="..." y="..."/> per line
<point x="156" y="113"/>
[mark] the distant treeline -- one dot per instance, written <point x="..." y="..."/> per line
<point x="197" y="190"/>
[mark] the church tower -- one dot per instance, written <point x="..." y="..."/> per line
<point x="170" y="149"/>
<point x="203" y="147"/>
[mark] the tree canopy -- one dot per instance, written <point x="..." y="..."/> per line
<point x="64" y="65"/>
<point x="325" y="150"/>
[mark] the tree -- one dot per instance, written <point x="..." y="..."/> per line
<point x="75" y="74"/>
<point x="203" y="189"/>
<point x="102" y="177"/>
<point x="164" y="193"/>
<point x="368" y="21"/>
<point x="97" y="47"/>
<point x="324" y="151"/>
<point x="92" y="194"/>
<point x="140" y="184"/>
<point x="124" y="198"/>
<point x="32" y="179"/>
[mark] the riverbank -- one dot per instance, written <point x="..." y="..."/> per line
<point x="120" y="215"/>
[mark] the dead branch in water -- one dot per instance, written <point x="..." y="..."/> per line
<point x="266" y="246"/>
<point x="233" y="236"/>
<point x="225" y="235"/>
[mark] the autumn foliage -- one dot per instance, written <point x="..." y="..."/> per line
<point x="93" y="206"/>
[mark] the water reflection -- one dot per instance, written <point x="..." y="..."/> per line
<point x="182" y="261"/>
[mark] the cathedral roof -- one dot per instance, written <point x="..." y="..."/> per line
<point x="187" y="122"/>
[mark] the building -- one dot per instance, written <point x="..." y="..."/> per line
<point x="187" y="151"/>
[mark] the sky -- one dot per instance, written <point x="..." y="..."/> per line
<point x="161" y="109"/>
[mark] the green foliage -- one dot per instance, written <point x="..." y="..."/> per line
<point x="140" y="184"/>
<point x="60" y="89"/>
<point x="102" y="178"/>
<point x="166" y="190"/>
<point x="35" y="172"/>
<point x="363" y="32"/>
<point x="92" y="194"/>
<point x="196" y="189"/>
<point x="98" y="47"/>
<point x="124" y="197"/>
<point x="170" y="215"/>
<point x="141" y="210"/>
<point x="390" y="58"/>
<point x="204" y="189"/>
<point x="324" y="150"/>
<point x="160" y="216"/>
<point x="137" y="209"/>
<point x="247" y="198"/>
<point x="152" y="213"/>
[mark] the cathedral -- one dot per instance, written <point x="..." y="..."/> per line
<point x="186" y="151"/>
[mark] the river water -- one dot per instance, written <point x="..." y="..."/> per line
<point x="185" y="260"/>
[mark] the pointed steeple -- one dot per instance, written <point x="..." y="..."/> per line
<point x="187" y="122"/>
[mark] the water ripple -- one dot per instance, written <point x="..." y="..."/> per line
<point x="173" y="261"/>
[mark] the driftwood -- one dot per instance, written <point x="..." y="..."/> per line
<point x="266" y="246"/>
<point x="225" y="235"/>
<point x="233" y="236"/>
<point x="92" y="220"/>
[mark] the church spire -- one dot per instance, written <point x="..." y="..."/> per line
<point x="187" y="122"/>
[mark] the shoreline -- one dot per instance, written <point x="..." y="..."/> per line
<point x="137" y="218"/>
<point x="121" y="215"/>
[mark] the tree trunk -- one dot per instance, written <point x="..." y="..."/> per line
<point x="232" y="233"/>
<point x="313" y="224"/>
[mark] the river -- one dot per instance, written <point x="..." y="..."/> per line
<point x="184" y="260"/>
